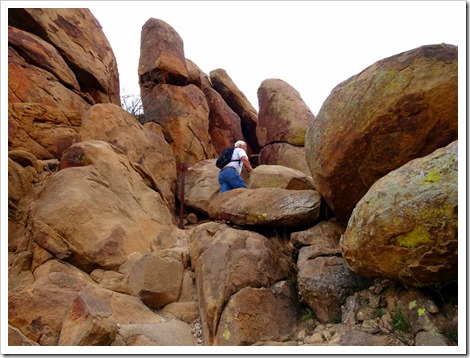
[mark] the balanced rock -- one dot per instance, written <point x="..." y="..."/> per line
<point x="269" y="207"/>
<point x="400" y="108"/>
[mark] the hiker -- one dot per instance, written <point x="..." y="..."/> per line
<point x="229" y="175"/>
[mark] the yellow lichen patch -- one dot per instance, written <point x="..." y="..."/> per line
<point x="226" y="333"/>
<point x="432" y="177"/>
<point x="416" y="237"/>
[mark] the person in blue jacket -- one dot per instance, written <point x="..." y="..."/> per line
<point x="229" y="176"/>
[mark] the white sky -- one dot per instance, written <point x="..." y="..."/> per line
<point x="311" y="45"/>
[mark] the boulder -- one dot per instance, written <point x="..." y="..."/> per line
<point x="89" y="322"/>
<point x="285" y="154"/>
<point x="226" y="260"/>
<point x="268" y="207"/>
<point x="30" y="84"/>
<point x="324" y="281"/>
<point x="405" y="228"/>
<point x="145" y="146"/>
<point x="278" y="176"/>
<point x="238" y="102"/>
<point x="21" y="193"/>
<point x="113" y="212"/>
<point x="62" y="308"/>
<point x="42" y="54"/>
<point x="283" y="115"/>
<point x="156" y="279"/>
<point x="254" y="315"/>
<point x="398" y="109"/>
<point x="16" y="338"/>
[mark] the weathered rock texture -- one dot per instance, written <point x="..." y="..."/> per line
<point x="405" y="227"/>
<point x="104" y="199"/>
<point x="95" y="258"/>
<point x="400" y="108"/>
<point x="283" y="115"/>
<point x="59" y="65"/>
<point x="279" y="176"/>
<point x="77" y="36"/>
<point x="144" y="145"/>
<point x="238" y="102"/>
<point x="226" y="261"/>
<point x="162" y="55"/>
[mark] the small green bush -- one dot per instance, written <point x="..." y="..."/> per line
<point x="399" y="321"/>
<point x="310" y="314"/>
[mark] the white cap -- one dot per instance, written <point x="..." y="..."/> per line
<point x="239" y="143"/>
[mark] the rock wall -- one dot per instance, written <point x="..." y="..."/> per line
<point x="95" y="255"/>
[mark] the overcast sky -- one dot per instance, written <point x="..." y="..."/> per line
<point x="311" y="45"/>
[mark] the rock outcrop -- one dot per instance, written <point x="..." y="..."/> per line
<point x="95" y="257"/>
<point x="400" y="108"/>
<point x="59" y="65"/>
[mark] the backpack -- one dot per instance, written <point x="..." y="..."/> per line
<point x="225" y="157"/>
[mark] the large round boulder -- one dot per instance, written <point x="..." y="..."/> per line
<point x="400" y="108"/>
<point x="405" y="227"/>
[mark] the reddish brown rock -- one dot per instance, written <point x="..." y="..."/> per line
<point x="238" y="102"/>
<point x="43" y="55"/>
<point x="283" y="115"/>
<point x="400" y="108"/>
<point x="30" y="84"/>
<point x="114" y="213"/>
<point x="78" y="37"/>
<point x="224" y="124"/>
<point x="161" y="56"/>
<point x="183" y="113"/>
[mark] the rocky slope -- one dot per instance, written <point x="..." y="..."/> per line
<point x="119" y="236"/>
